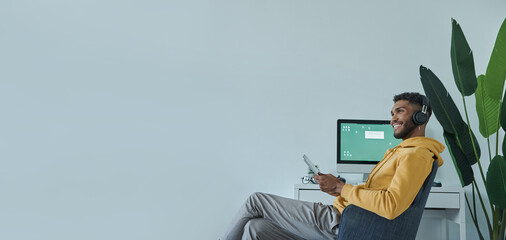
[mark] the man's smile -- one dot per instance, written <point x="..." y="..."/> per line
<point x="396" y="125"/>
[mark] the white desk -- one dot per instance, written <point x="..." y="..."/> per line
<point x="445" y="203"/>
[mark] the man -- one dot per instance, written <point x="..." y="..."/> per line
<point x="390" y="189"/>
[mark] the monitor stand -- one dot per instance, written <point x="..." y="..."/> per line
<point x="364" y="177"/>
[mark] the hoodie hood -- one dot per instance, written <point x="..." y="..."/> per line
<point x="431" y="144"/>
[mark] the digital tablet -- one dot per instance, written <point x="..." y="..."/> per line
<point x="311" y="165"/>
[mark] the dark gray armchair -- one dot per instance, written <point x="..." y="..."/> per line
<point x="358" y="223"/>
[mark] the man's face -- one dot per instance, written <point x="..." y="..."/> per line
<point x="402" y="121"/>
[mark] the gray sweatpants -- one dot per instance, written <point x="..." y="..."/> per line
<point x="266" y="216"/>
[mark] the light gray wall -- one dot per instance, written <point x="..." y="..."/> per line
<point x="156" y="119"/>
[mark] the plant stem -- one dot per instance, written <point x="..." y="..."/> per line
<point x="474" y="200"/>
<point x="472" y="141"/>
<point x="474" y="219"/>
<point x="498" y="127"/>
<point x="484" y="209"/>
<point x="477" y="158"/>
<point x="496" y="223"/>
<point x="489" y="151"/>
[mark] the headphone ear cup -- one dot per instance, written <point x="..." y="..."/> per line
<point x="419" y="118"/>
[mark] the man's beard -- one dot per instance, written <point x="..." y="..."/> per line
<point x="409" y="126"/>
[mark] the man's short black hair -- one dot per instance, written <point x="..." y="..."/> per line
<point x="415" y="99"/>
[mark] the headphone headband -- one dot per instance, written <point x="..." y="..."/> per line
<point x="425" y="104"/>
<point x="420" y="117"/>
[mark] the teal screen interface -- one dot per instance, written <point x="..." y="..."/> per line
<point x="366" y="142"/>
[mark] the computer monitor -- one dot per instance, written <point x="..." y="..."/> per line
<point x="361" y="144"/>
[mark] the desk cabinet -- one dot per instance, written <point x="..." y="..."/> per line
<point x="444" y="203"/>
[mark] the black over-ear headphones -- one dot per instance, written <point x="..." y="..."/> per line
<point x="420" y="116"/>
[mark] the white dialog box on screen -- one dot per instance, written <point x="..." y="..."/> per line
<point x="374" y="135"/>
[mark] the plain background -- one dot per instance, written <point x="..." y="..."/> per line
<point x="156" y="119"/>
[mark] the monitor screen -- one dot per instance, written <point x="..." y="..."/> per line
<point x="364" y="141"/>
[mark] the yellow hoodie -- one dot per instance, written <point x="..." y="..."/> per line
<point x="395" y="181"/>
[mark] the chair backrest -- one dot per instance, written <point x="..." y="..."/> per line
<point x="358" y="223"/>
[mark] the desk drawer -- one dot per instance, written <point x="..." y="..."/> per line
<point x="440" y="199"/>
<point x="443" y="200"/>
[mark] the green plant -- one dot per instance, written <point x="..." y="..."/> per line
<point x="460" y="139"/>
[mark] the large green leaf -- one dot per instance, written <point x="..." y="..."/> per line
<point x="462" y="166"/>
<point x="442" y="104"/>
<point x="462" y="62"/>
<point x="487" y="109"/>
<point x="496" y="181"/>
<point x="448" y="116"/>
<point x="496" y="69"/>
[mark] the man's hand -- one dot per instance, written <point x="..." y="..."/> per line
<point x="329" y="184"/>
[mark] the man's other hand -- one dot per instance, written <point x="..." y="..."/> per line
<point x="329" y="184"/>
